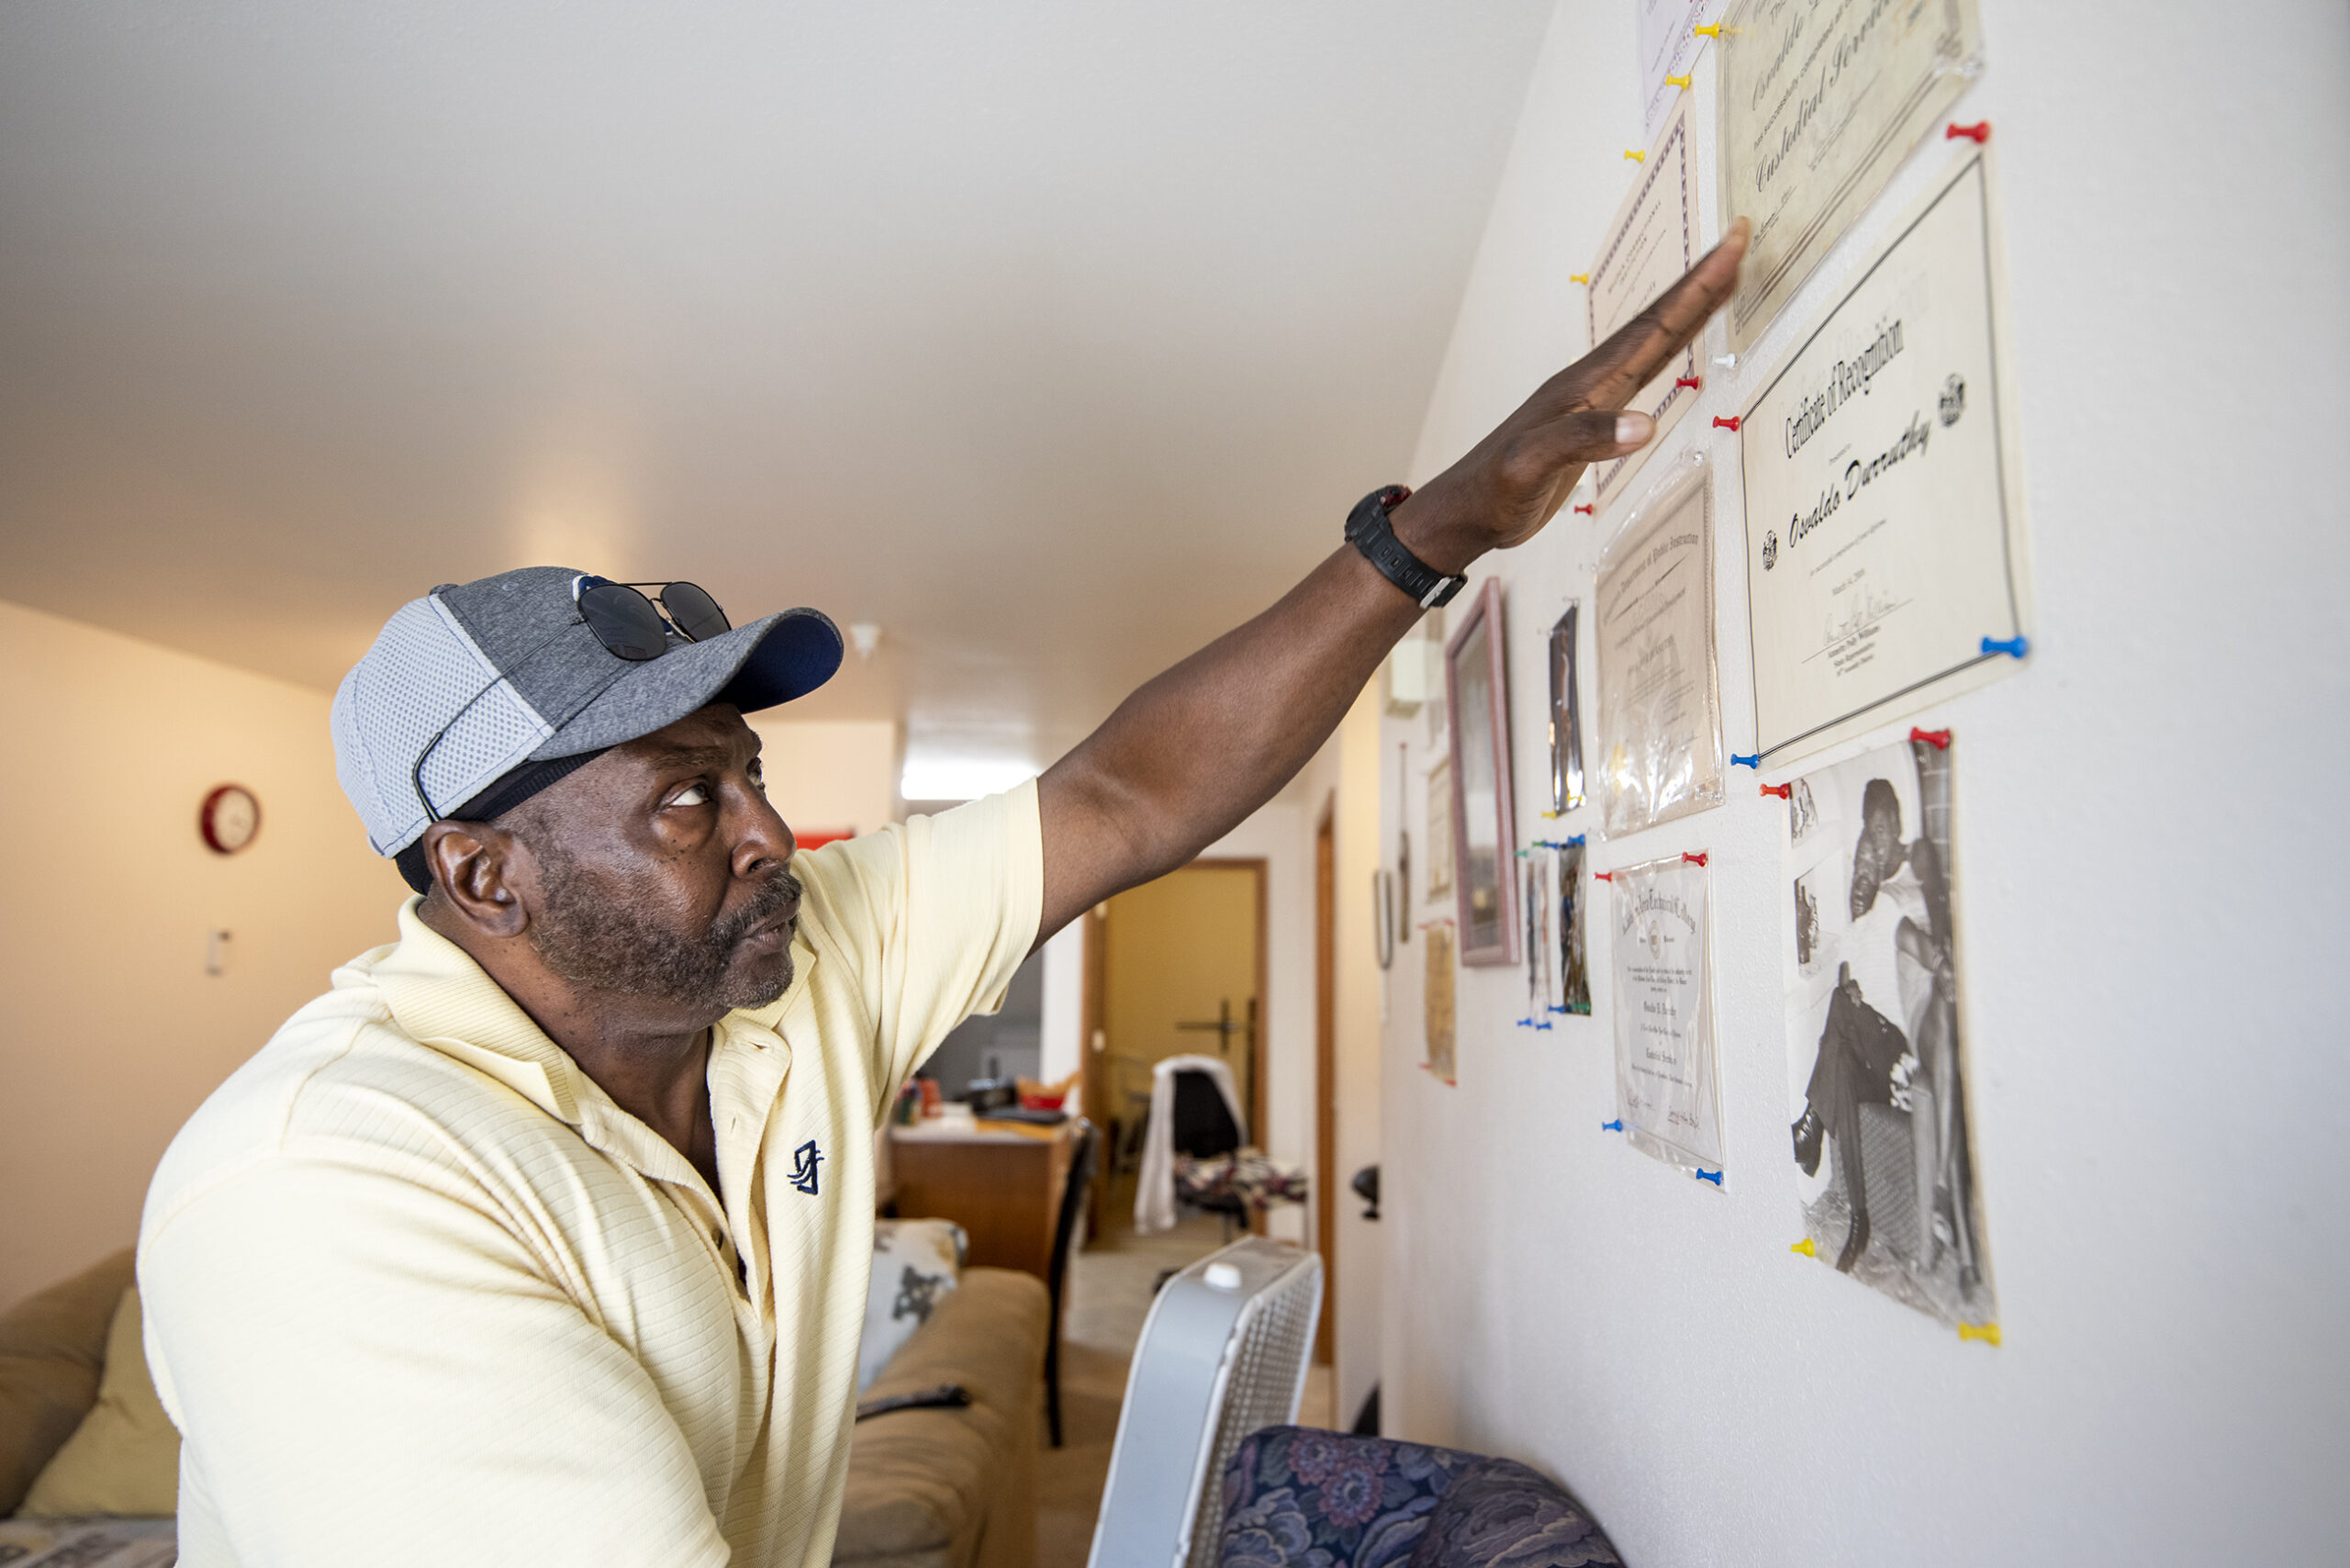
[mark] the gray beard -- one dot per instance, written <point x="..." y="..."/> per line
<point x="591" y="933"/>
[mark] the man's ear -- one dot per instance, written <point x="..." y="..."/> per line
<point x="474" y="866"/>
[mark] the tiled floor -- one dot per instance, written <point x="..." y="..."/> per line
<point x="1110" y="1287"/>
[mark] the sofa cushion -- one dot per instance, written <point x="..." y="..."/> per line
<point x="124" y="1457"/>
<point x="915" y="1262"/>
<point x="1501" y="1514"/>
<point x="1295" y="1496"/>
<point x="52" y="1347"/>
<point x="921" y="1482"/>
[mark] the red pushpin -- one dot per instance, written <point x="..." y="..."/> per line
<point x="1785" y="792"/>
<point x="1978" y="134"/>
<point x="1603" y="876"/>
<point x="1585" y="510"/>
<point x="1689" y="381"/>
<point x="1725" y="424"/>
<point x="1938" y="739"/>
<point x="1698" y="860"/>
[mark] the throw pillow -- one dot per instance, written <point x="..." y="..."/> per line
<point x="915" y="1262"/>
<point x="125" y="1456"/>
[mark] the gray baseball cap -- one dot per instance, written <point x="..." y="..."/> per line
<point x="479" y="679"/>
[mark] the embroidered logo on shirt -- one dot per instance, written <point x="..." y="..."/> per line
<point x="806" y="1159"/>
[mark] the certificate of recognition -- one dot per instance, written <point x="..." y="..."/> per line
<point x="1651" y="243"/>
<point x="1666" y="1089"/>
<point x="1820" y="101"/>
<point x="1884" y="516"/>
<point x="1660" y="700"/>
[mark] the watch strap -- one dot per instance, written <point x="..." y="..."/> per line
<point x="1369" y="530"/>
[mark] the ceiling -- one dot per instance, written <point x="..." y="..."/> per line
<point x="1053" y="338"/>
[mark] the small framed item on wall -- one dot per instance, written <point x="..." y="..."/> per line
<point x="1484" y="815"/>
<point x="1566" y="717"/>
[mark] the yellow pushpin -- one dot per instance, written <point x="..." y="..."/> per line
<point x="1986" y="1332"/>
<point x="1583" y="278"/>
<point x="1808" y="1247"/>
<point x="1636" y="155"/>
<point x="1710" y="31"/>
<point x="1676" y="81"/>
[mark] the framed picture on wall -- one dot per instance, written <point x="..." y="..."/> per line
<point x="1441" y="829"/>
<point x="1566" y="716"/>
<point x="1484" y="832"/>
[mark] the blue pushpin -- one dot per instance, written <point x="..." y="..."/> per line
<point x="1713" y="1176"/>
<point x="1574" y="842"/>
<point x="1616" y="1126"/>
<point x="2014" y="647"/>
<point x="1754" y="762"/>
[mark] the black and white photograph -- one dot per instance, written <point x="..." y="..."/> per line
<point x="1574" y="973"/>
<point x="1875" y="1054"/>
<point x="1566" y="716"/>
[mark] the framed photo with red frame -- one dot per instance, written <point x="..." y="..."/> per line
<point x="1484" y="816"/>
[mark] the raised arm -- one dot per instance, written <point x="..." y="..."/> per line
<point x="1190" y="754"/>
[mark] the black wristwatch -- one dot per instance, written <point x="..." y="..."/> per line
<point x="1369" y="530"/>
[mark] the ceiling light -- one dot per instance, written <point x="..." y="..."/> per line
<point x="960" y="778"/>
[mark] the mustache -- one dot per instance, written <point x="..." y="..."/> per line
<point x="779" y="893"/>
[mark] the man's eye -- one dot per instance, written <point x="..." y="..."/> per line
<point x="692" y="795"/>
<point x="759" y="779"/>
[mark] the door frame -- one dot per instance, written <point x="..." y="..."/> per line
<point x="1325" y="1069"/>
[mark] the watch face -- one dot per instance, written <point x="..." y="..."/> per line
<point x="230" y="819"/>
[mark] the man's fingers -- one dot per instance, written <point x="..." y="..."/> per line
<point x="1544" y="462"/>
<point x="1642" y="347"/>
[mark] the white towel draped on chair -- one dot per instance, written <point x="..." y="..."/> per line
<point x="1155" y="1187"/>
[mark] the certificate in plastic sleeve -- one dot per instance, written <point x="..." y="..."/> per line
<point x="1651" y="241"/>
<point x="1668" y="45"/>
<point x="1885" y="533"/>
<point x="1667" y="1089"/>
<point x="1820" y="101"/>
<point x="1660" y="703"/>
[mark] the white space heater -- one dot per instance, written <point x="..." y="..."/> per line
<point x="1223" y="1353"/>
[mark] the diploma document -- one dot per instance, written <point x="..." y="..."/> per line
<point x="1660" y="702"/>
<point x="1666" y="1093"/>
<point x="1884" y="517"/>
<point x="1820" y="100"/>
<point x="1651" y="243"/>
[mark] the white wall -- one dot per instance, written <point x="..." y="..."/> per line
<point x="2153" y="919"/>
<point x="111" y="1032"/>
<point x="1060" y="1042"/>
<point x="829" y="774"/>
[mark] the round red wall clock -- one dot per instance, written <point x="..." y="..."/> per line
<point x="230" y="819"/>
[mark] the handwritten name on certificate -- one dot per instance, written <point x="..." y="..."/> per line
<point x="1820" y="101"/>
<point x="1884" y="519"/>
<point x="1666" y="1083"/>
<point x="1651" y="243"/>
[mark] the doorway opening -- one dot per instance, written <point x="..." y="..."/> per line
<point x="1177" y="967"/>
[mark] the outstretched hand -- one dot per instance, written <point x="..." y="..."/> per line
<point x="1194" y="750"/>
<point x="1507" y="485"/>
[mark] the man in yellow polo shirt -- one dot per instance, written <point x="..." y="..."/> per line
<point x="543" y="1235"/>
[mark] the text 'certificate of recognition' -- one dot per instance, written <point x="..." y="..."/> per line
<point x="1651" y="243"/>
<point x="1821" y="99"/>
<point x="1884" y="520"/>
<point x="1666" y="1090"/>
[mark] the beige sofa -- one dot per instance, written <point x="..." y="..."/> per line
<point x="927" y="1488"/>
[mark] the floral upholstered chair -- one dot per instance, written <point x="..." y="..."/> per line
<point x="1295" y="1497"/>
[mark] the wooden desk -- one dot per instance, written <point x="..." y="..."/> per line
<point x="1000" y="1183"/>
